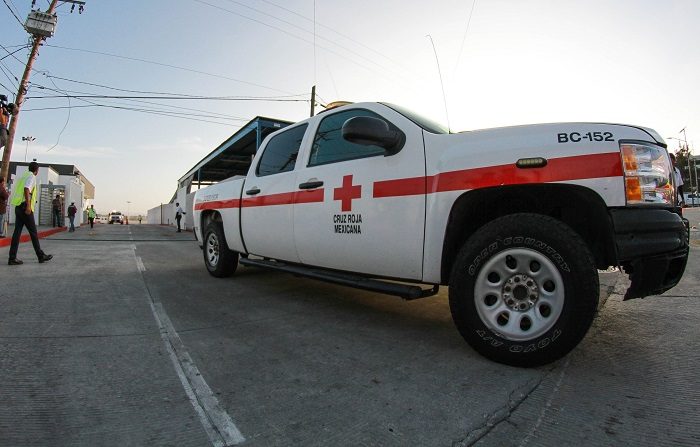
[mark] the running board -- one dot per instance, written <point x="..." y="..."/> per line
<point x="405" y="291"/>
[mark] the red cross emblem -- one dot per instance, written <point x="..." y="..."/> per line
<point x="346" y="193"/>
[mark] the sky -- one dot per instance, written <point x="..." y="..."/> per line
<point x="502" y="62"/>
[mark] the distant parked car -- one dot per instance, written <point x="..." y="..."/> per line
<point x="116" y="217"/>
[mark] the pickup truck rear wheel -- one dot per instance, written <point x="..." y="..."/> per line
<point x="524" y="290"/>
<point x="220" y="261"/>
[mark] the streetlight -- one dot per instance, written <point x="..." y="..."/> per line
<point x="128" y="207"/>
<point x="28" y="139"/>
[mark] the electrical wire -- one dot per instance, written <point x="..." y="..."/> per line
<point x="393" y="79"/>
<point x="190" y="70"/>
<point x="184" y="95"/>
<point x="178" y="107"/>
<point x="22" y="47"/>
<point x="13" y="13"/>
<point x="315" y="35"/>
<point x="58" y="139"/>
<point x="464" y="38"/>
<point x="167" y="113"/>
<point x="186" y="98"/>
<point x="208" y="115"/>
<point x="333" y="30"/>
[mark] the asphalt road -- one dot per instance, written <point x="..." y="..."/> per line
<point x="124" y="339"/>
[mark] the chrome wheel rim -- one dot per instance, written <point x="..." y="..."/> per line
<point x="519" y="294"/>
<point x="212" y="249"/>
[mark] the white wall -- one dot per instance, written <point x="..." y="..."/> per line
<point x="75" y="191"/>
<point x="168" y="214"/>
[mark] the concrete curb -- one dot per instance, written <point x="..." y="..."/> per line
<point x="5" y="242"/>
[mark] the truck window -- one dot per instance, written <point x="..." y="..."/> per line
<point x="329" y="145"/>
<point x="280" y="154"/>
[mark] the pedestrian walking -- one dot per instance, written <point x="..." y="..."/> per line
<point x="23" y="199"/>
<point x="72" y="209"/>
<point x="4" y="195"/>
<point x="178" y="215"/>
<point x="91" y="215"/>
<point x="56" y="211"/>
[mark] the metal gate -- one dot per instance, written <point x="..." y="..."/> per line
<point x="46" y="195"/>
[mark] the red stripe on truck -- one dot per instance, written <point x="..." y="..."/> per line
<point x="557" y="170"/>
<point x="217" y="204"/>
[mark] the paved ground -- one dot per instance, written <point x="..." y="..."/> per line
<point x="124" y="339"/>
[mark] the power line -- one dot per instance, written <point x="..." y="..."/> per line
<point x="464" y="38"/>
<point x="48" y="75"/>
<point x="304" y="39"/>
<point x="153" y="111"/>
<point x="191" y="70"/>
<point x="333" y="30"/>
<point x="13" y="13"/>
<point x="186" y="98"/>
<point x="178" y="107"/>
<point x="332" y="42"/>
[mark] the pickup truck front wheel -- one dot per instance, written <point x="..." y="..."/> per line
<point x="220" y="261"/>
<point x="524" y="290"/>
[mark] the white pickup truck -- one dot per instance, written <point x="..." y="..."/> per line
<point x="516" y="220"/>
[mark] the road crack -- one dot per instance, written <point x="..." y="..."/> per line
<point x="501" y="414"/>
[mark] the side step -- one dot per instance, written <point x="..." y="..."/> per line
<point x="405" y="291"/>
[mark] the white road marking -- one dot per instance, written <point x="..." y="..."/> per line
<point x="217" y="423"/>
<point x="139" y="264"/>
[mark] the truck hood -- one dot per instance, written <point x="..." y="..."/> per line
<point x="506" y="145"/>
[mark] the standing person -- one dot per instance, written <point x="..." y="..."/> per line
<point x="23" y="199"/>
<point x="56" y="211"/>
<point x="72" y="209"/>
<point x="178" y="215"/>
<point x="3" y="205"/>
<point x="6" y="110"/>
<point x="91" y="215"/>
<point x="679" y="179"/>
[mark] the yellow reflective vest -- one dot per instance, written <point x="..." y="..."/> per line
<point x="18" y="193"/>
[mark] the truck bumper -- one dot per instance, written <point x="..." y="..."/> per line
<point x="652" y="247"/>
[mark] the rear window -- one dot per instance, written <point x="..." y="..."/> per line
<point x="281" y="152"/>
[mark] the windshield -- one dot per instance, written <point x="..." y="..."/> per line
<point x="427" y="124"/>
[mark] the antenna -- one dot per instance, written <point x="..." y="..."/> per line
<point x="444" y="98"/>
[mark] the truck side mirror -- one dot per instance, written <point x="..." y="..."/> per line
<point x="367" y="130"/>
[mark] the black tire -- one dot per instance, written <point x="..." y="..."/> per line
<point x="524" y="290"/>
<point x="220" y="261"/>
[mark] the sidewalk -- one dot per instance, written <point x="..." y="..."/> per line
<point x="42" y="230"/>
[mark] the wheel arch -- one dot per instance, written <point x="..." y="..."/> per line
<point x="579" y="207"/>
<point x="208" y="216"/>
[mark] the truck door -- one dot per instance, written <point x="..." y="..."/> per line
<point x="372" y="216"/>
<point x="268" y="197"/>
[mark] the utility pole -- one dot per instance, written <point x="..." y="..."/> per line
<point x="44" y="28"/>
<point x="313" y="99"/>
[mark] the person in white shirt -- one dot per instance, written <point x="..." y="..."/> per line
<point x="178" y="215"/>
<point x="678" y="179"/>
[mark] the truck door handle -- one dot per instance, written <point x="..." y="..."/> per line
<point x="310" y="184"/>
<point x="252" y="191"/>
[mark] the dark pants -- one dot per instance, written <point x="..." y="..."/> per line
<point x="92" y="221"/>
<point x="22" y="220"/>
<point x="56" y="218"/>
<point x="72" y="222"/>
<point x="178" y="218"/>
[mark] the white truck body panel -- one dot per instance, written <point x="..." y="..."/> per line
<point x="405" y="199"/>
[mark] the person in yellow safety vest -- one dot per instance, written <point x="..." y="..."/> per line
<point x="23" y="199"/>
<point x="91" y="215"/>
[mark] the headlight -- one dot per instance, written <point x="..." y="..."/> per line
<point x="647" y="174"/>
